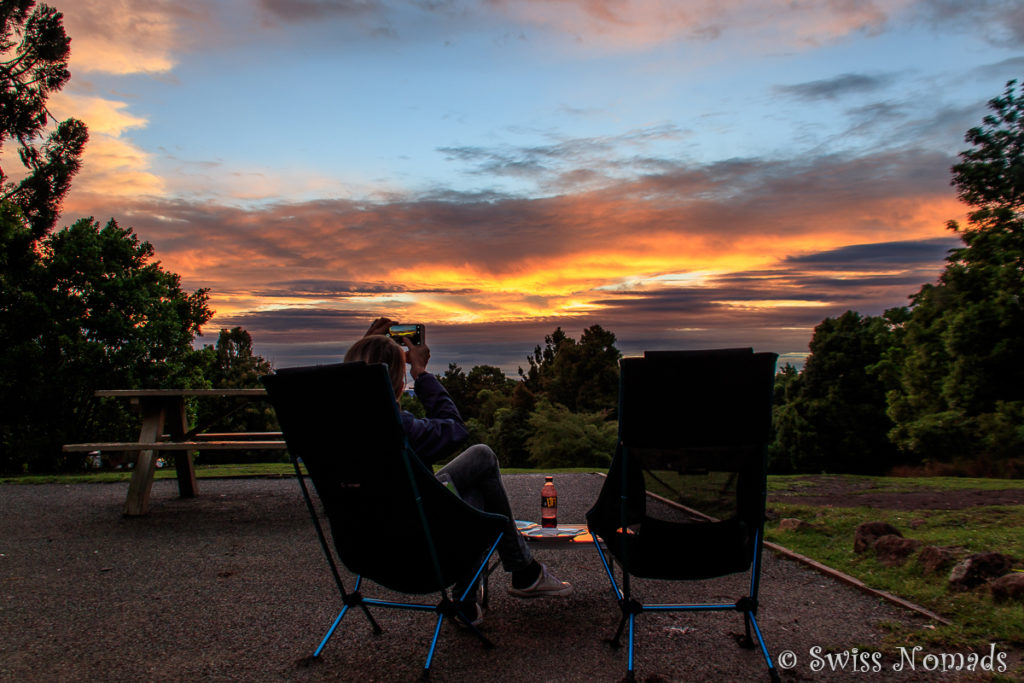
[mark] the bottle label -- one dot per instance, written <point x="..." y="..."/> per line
<point x="549" y="501"/>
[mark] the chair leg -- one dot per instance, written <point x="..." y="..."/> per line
<point x="377" y="630"/>
<point x="745" y="641"/>
<point x="330" y="632"/>
<point x="479" y="634"/>
<point x="630" y="666"/>
<point x="350" y="600"/>
<point x="614" y="641"/>
<point x="433" y="645"/>
<point x="772" y="671"/>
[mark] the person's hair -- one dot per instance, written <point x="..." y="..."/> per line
<point x="377" y="348"/>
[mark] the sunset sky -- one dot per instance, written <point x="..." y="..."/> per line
<point x="687" y="174"/>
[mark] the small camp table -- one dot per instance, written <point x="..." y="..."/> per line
<point x="568" y="536"/>
<point x="164" y="409"/>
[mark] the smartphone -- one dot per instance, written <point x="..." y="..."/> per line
<point x="414" y="333"/>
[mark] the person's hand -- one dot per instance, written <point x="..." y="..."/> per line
<point x="380" y="326"/>
<point x="417" y="357"/>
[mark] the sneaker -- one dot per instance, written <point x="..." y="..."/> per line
<point x="547" y="584"/>
<point x="473" y="607"/>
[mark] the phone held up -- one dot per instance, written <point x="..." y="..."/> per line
<point x="415" y="334"/>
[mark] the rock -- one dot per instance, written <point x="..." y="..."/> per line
<point x="894" y="550"/>
<point x="934" y="559"/>
<point x="977" y="569"/>
<point x="869" y="532"/>
<point x="794" y="524"/>
<point x="1009" y="587"/>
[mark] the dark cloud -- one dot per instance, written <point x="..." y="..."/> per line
<point x="833" y="88"/>
<point x="297" y="321"/>
<point x="489" y="162"/>
<point x="566" y="156"/>
<point x="868" y="119"/>
<point x="795" y="297"/>
<point x="317" y="288"/>
<point x="1001" y="22"/>
<point x="880" y="255"/>
<point x="314" y="10"/>
<point x="294" y="336"/>
<point x="1005" y="69"/>
<point x="341" y="289"/>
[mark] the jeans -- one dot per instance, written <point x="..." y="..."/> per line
<point x="477" y="479"/>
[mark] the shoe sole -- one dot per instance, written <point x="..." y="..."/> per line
<point x="561" y="592"/>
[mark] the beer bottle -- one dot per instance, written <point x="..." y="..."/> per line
<point x="548" y="504"/>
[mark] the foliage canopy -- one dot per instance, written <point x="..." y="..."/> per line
<point x="87" y="309"/>
<point x="34" y="51"/>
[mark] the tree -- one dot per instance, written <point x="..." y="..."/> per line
<point x="90" y="310"/>
<point x="581" y="376"/>
<point x="234" y="365"/>
<point x="512" y="430"/>
<point x="34" y="50"/>
<point x="961" y="388"/>
<point x="832" y="416"/>
<point x="787" y="424"/>
<point x="465" y="388"/>
<point x="562" y="438"/>
<point x="231" y="364"/>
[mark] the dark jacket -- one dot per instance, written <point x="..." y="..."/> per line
<point x="441" y="432"/>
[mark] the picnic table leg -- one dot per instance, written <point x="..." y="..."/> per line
<point x="153" y="415"/>
<point x="177" y="427"/>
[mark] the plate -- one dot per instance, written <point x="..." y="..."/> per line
<point x="539" y="533"/>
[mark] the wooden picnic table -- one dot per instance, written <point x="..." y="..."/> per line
<point x="165" y="428"/>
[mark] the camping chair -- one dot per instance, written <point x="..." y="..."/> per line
<point x="391" y="521"/>
<point x="707" y="416"/>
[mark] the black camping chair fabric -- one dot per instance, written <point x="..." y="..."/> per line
<point x="707" y="416"/>
<point x="391" y="520"/>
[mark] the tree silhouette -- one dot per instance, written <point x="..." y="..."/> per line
<point x="961" y="392"/>
<point x="34" y="50"/>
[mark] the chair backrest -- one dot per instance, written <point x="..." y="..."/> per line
<point x="693" y="399"/>
<point x="704" y="416"/>
<point x="390" y="519"/>
<point x="702" y="413"/>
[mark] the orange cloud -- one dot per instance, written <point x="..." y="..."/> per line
<point x="135" y="36"/>
<point x="111" y="165"/>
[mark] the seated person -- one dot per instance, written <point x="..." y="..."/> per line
<point x="474" y="473"/>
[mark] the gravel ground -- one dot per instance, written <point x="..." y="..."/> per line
<point x="232" y="586"/>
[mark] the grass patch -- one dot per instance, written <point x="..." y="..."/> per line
<point x="797" y="484"/>
<point x="257" y="469"/>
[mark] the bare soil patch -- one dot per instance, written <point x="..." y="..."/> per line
<point x="842" y="492"/>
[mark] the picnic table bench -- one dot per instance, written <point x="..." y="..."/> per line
<point x="165" y="428"/>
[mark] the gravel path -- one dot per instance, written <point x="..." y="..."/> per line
<point x="232" y="586"/>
